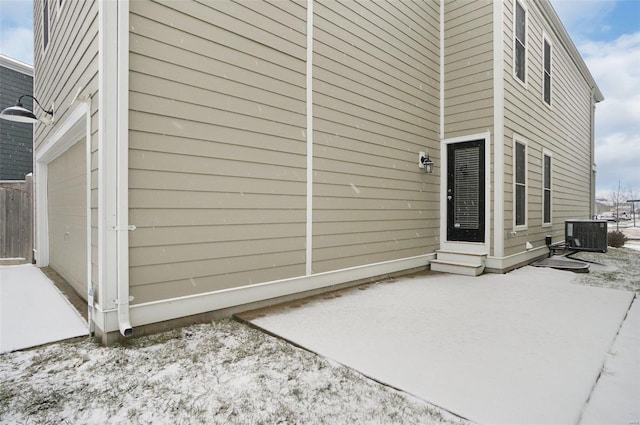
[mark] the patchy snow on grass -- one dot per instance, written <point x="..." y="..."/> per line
<point x="219" y="373"/>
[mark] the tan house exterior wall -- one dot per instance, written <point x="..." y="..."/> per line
<point x="562" y="129"/>
<point x="223" y="208"/>
<point x="217" y="150"/>
<point x="375" y="107"/>
<point x="468" y="68"/>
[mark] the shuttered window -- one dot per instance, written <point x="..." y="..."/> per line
<point x="520" y="184"/>
<point x="45" y="24"/>
<point x="546" y="188"/>
<point x="547" y="72"/>
<point x="520" y="42"/>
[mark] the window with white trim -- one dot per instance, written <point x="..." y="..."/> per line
<point x="519" y="183"/>
<point x="520" y="42"/>
<point x="45" y="24"/>
<point x="546" y="85"/>
<point x="546" y="188"/>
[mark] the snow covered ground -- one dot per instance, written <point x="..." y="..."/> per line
<point x="228" y="373"/>
<point x="525" y="347"/>
<point x="33" y="311"/>
<point x="616" y="397"/>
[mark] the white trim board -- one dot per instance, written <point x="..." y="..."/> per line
<point x="498" y="129"/>
<point x="175" y="308"/>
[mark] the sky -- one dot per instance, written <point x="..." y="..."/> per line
<point x="606" y="32"/>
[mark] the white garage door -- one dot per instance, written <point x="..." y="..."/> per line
<point x="67" y="211"/>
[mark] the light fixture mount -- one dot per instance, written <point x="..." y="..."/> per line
<point x="425" y="163"/>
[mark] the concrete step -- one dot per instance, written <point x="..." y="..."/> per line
<point x="457" y="267"/>
<point x="461" y="257"/>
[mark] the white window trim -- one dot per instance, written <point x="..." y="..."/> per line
<point x="46" y="4"/>
<point x="517" y="139"/>
<point x="60" y="4"/>
<point x="526" y="43"/>
<point x="482" y="248"/>
<point x="548" y="153"/>
<point x="546" y="38"/>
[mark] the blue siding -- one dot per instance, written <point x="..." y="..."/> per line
<point x="16" y="139"/>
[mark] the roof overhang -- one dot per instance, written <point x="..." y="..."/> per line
<point x="552" y="17"/>
<point x="16" y="65"/>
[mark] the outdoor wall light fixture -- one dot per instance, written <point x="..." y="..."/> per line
<point x="19" y="113"/>
<point x="425" y="163"/>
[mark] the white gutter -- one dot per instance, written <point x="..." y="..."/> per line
<point x="113" y="142"/>
<point x="592" y="118"/>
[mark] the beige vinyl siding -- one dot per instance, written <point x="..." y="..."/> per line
<point x="217" y="180"/>
<point x="562" y="129"/>
<point x="70" y="63"/>
<point x="67" y="197"/>
<point x="375" y="107"/>
<point x="468" y="70"/>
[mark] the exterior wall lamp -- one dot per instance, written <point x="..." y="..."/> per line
<point x="19" y="113"/>
<point x="425" y="163"/>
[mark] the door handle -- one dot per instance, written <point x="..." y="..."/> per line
<point x="449" y="197"/>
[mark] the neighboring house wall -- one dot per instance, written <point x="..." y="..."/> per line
<point x="561" y="130"/>
<point x="16" y="139"/>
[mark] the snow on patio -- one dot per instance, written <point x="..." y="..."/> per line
<point x="33" y="311"/>
<point x="525" y="347"/>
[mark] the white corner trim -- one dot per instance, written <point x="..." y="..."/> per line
<point x="107" y="152"/>
<point x="442" y="74"/>
<point x="174" y="308"/>
<point x="498" y="129"/>
<point x="309" y="95"/>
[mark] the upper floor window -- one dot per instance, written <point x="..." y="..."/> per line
<point x="547" y="71"/>
<point x="520" y="43"/>
<point x="546" y="188"/>
<point x="45" y="24"/>
<point x="520" y="183"/>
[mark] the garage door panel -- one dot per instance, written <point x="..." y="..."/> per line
<point x="67" y="216"/>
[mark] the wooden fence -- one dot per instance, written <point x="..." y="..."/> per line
<point x="16" y="221"/>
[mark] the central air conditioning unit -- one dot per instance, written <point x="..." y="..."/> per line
<point x="586" y="235"/>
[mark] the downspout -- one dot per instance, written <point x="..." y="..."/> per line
<point x="122" y="171"/>
<point x="592" y="111"/>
